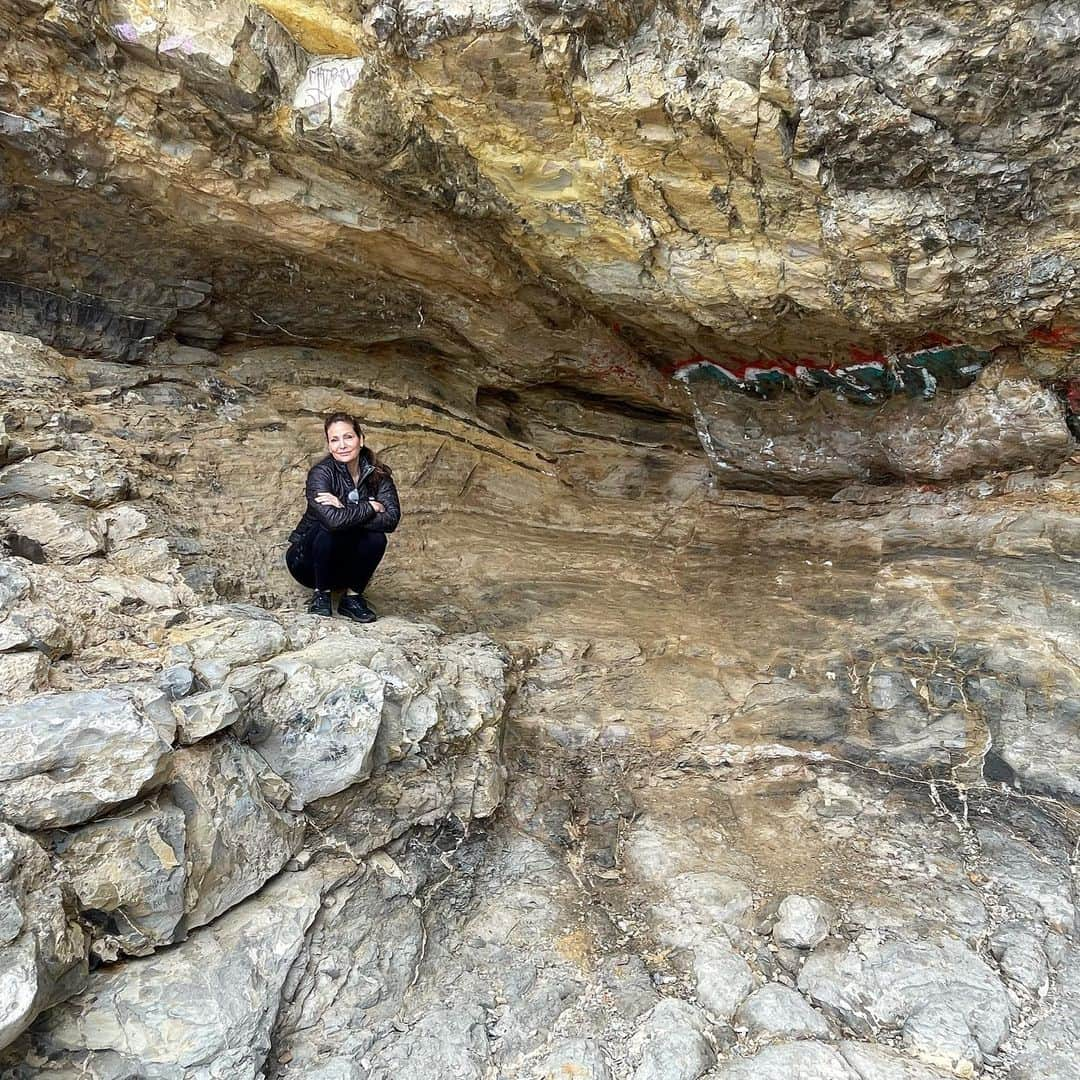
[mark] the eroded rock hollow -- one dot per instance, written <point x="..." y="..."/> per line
<point x="722" y="718"/>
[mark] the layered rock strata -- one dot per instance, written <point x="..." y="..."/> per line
<point x="581" y="191"/>
<point x="791" y="781"/>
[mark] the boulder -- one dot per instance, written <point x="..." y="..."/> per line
<point x="791" y="1061"/>
<point x="239" y="830"/>
<point x="202" y="1010"/>
<point x="73" y="755"/>
<point x="724" y="978"/>
<point x="939" y="986"/>
<point x="778" y="1012"/>
<point x="129" y="873"/>
<point x="43" y="950"/>
<point x="670" y="1043"/>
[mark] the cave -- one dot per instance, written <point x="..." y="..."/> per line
<point x="721" y="717"/>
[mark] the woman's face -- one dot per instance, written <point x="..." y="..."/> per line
<point x="343" y="442"/>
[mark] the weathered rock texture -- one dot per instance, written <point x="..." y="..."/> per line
<point x="725" y="355"/>
<point x="578" y="191"/>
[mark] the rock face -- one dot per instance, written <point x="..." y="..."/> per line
<point x="636" y="186"/>
<point x="80" y="753"/>
<point x="721" y="720"/>
<point x="200" y="1011"/>
<point x="42" y="948"/>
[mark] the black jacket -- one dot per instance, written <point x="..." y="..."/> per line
<point x="333" y="476"/>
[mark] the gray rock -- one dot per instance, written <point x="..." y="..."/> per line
<point x="14" y="584"/>
<point x="1051" y="1049"/>
<point x="802" y="922"/>
<point x="575" y="1059"/>
<point x="1021" y="957"/>
<point x="880" y="980"/>
<point x="1037" y="882"/>
<point x="872" y="1062"/>
<point x="695" y="905"/>
<point x="43" y="950"/>
<point x="318" y="731"/>
<point x="239" y="832"/>
<point x="204" y="714"/>
<point x="940" y="1033"/>
<point x="73" y="755"/>
<point x="131" y="869"/>
<point x="778" y="1012"/>
<point x="202" y="1010"/>
<point x="791" y="1061"/>
<point x="724" y="978"/>
<point x="671" y="1043"/>
<point x="91" y="478"/>
<point x="176" y="681"/>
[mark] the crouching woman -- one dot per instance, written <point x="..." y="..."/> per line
<point x="351" y="505"/>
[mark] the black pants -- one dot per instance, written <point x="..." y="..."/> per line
<point x="336" y="560"/>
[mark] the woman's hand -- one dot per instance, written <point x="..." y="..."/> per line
<point x="377" y="506"/>
<point x="328" y="498"/>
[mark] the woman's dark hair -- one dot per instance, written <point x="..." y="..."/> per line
<point x="366" y="453"/>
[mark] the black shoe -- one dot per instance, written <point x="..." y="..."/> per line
<point x="320" y="603"/>
<point x="355" y="607"/>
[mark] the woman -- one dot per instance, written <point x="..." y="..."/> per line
<point x="351" y="505"/>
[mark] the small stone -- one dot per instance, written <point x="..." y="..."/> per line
<point x="724" y="978"/>
<point x="203" y="714"/>
<point x="575" y="1059"/>
<point x="777" y="1012"/>
<point x="176" y="681"/>
<point x="802" y="922"/>
<point x="670" y="1044"/>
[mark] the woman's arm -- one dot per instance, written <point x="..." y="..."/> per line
<point x="342" y="516"/>
<point x="387" y="520"/>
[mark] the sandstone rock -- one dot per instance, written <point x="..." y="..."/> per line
<point x="778" y="1012"/>
<point x="802" y="922"/>
<point x="884" y="981"/>
<point x="670" y="1043"/>
<point x="76" y="754"/>
<point x="201" y="1010"/>
<point x="42" y="947"/>
<point x="86" y="477"/>
<point x="22" y="674"/>
<point x="54" y="533"/>
<point x="238" y="832"/>
<point x="786" y="444"/>
<point x="128" y="873"/>
<point x="791" y="1061"/>
<point x="724" y="978"/>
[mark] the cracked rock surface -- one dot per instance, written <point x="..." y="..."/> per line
<point x="635" y="778"/>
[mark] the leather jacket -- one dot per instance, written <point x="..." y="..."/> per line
<point x="333" y="476"/>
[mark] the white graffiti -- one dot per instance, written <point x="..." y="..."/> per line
<point x="325" y="82"/>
